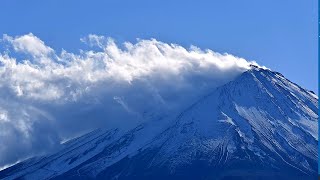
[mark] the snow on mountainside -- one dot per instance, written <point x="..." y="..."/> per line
<point x="260" y="125"/>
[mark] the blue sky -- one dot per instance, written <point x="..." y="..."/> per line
<point x="281" y="35"/>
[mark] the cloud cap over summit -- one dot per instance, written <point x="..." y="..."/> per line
<point x="47" y="96"/>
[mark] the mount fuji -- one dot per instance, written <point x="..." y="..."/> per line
<point x="258" y="126"/>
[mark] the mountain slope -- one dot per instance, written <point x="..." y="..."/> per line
<point x="260" y="125"/>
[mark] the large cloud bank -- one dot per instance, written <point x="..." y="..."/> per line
<point x="47" y="96"/>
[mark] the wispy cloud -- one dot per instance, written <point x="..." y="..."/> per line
<point x="46" y="97"/>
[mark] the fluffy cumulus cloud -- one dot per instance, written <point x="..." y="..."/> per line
<point x="47" y="96"/>
<point x="29" y="44"/>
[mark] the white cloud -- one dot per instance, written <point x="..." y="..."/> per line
<point x="95" y="40"/>
<point x="52" y="96"/>
<point x="28" y="44"/>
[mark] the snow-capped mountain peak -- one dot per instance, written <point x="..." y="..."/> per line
<point x="258" y="125"/>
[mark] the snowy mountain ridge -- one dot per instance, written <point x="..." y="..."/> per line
<point x="260" y="125"/>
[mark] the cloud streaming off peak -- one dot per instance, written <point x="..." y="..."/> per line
<point x="48" y="96"/>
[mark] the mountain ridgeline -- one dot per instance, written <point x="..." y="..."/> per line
<point x="258" y="126"/>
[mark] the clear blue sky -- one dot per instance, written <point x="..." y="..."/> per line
<point x="281" y="35"/>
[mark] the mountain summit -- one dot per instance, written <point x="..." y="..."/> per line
<point x="258" y="126"/>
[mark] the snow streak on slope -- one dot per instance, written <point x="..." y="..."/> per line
<point x="260" y="125"/>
